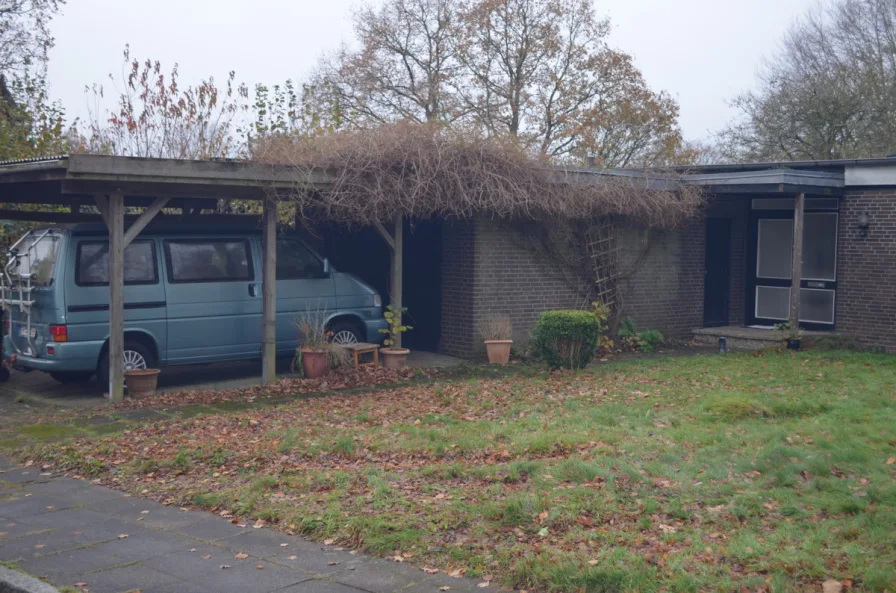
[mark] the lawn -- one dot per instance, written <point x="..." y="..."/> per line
<point x="769" y="472"/>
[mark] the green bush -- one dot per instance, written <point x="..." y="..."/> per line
<point x="566" y="339"/>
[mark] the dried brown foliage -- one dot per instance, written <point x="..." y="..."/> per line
<point x="423" y="171"/>
<point x="496" y="327"/>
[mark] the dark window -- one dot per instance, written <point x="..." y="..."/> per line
<point x="139" y="264"/>
<point x="208" y="261"/>
<point x="296" y="262"/>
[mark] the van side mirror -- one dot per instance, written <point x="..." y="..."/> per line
<point x="326" y="267"/>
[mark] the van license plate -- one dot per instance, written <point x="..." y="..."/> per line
<point x="23" y="332"/>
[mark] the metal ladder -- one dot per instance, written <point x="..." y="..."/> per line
<point x="15" y="288"/>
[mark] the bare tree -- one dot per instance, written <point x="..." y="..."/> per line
<point x="405" y="66"/>
<point x="539" y="71"/>
<point x="830" y="92"/>
<point x="25" y="35"/>
<point x="155" y="117"/>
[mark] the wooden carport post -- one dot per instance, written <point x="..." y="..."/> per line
<point x="269" y="294"/>
<point x="112" y="210"/>
<point x="395" y="241"/>
<point x="799" y="208"/>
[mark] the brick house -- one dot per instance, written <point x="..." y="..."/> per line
<point x="728" y="268"/>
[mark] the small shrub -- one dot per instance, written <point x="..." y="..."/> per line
<point x="645" y="341"/>
<point x="566" y="339"/>
<point x="496" y="327"/>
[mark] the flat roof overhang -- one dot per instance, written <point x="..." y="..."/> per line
<point x="62" y="180"/>
<point x="770" y="181"/>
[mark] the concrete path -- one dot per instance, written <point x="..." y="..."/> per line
<point x="73" y="533"/>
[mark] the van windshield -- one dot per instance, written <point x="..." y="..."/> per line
<point x="37" y="257"/>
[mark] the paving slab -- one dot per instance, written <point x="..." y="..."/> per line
<point x="379" y="576"/>
<point x="210" y="528"/>
<point x="21" y="505"/>
<point x="23" y="475"/>
<point x="133" y="577"/>
<point x="73" y="492"/>
<point x="321" y="586"/>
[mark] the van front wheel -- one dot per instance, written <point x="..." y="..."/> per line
<point x="345" y="332"/>
<point x="136" y="357"/>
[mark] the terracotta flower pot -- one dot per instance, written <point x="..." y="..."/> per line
<point x="498" y="351"/>
<point x="315" y="363"/>
<point x="394" y="358"/>
<point x="142" y="382"/>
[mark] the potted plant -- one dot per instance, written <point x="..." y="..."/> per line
<point x="142" y="382"/>
<point x="496" y="331"/>
<point x="791" y="337"/>
<point x="314" y="353"/>
<point x="394" y="357"/>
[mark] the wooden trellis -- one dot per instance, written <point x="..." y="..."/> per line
<point x="603" y="249"/>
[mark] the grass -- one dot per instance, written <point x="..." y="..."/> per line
<point x="714" y="473"/>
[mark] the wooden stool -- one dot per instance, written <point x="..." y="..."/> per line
<point x="362" y="348"/>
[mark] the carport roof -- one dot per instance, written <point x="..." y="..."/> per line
<point x="55" y="180"/>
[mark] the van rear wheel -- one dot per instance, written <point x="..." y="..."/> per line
<point x="136" y="357"/>
<point x="345" y="332"/>
<point x="66" y="377"/>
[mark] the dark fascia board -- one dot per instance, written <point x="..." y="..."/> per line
<point x="830" y="165"/>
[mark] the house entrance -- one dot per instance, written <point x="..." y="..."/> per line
<point x="770" y="269"/>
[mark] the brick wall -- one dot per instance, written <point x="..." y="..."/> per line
<point x="515" y="277"/>
<point x="458" y="334"/>
<point x="662" y="277"/>
<point x="866" y="289"/>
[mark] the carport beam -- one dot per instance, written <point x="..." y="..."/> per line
<point x="269" y="294"/>
<point x="797" y="271"/>
<point x="397" y="272"/>
<point x="116" y="296"/>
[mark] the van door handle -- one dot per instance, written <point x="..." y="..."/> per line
<point x="253" y="290"/>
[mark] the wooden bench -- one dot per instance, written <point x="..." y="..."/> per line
<point x="362" y="348"/>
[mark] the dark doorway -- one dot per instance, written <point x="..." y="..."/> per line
<point x="363" y="253"/>
<point x="717" y="278"/>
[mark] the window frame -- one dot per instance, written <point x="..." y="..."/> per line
<point x="155" y="265"/>
<point x="310" y="251"/>
<point x="169" y="268"/>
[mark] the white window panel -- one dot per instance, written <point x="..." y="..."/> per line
<point x="775" y="249"/>
<point x="773" y="302"/>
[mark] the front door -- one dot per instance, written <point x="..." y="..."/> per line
<point x="717" y="275"/>
<point x="768" y="296"/>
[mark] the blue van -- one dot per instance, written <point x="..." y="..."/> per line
<point x="191" y="295"/>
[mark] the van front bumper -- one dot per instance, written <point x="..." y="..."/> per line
<point x="373" y="327"/>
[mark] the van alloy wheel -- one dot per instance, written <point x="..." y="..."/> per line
<point x="133" y="361"/>
<point x="345" y="337"/>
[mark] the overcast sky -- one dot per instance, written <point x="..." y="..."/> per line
<point x="701" y="51"/>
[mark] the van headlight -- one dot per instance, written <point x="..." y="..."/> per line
<point x="377" y="300"/>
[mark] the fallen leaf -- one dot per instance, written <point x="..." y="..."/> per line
<point x="123" y="536"/>
<point x="241" y="556"/>
<point x="80" y="584"/>
<point x="144" y="512"/>
<point x="50" y="508"/>
<point x="39" y="546"/>
<point x="192" y="549"/>
<point x="483" y="584"/>
<point x="329" y="542"/>
<point x="445" y="588"/>
<point x="457" y="573"/>
<point x="258" y="524"/>
<point x="207" y="556"/>
<point x="831" y="586"/>
<point x="428" y="570"/>
<point x="891" y="460"/>
<point x="259" y="566"/>
<point x="225" y="566"/>
<point x="291" y="557"/>
<point x="332" y="563"/>
<point x="593" y="562"/>
<point x="283" y="545"/>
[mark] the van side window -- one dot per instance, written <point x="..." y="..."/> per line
<point x="92" y="265"/>
<point x="296" y="262"/>
<point x="213" y="260"/>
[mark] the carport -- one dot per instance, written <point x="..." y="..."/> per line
<point x="63" y="187"/>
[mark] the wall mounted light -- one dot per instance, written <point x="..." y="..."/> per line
<point x="863" y="225"/>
